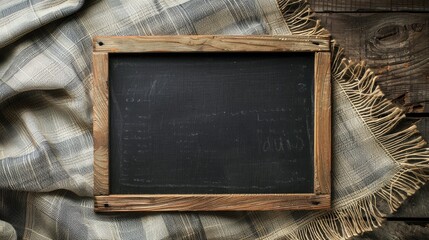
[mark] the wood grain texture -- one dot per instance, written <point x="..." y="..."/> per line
<point x="198" y="43"/>
<point x="322" y="122"/>
<point x="416" y="206"/>
<point x="397" y="230"/>
<point x="100" y="97"/>
<point x="211" y="202"/>
<point x="394" y="45"/>
<point x="369" y="6"/>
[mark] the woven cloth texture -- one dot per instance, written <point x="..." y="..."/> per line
<point x="46" y="148"/>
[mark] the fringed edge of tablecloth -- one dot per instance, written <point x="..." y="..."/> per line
<point x="405" y="145"/>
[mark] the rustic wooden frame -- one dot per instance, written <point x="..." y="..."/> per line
<point x="320" y="199"/>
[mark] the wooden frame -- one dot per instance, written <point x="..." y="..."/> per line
<point x="320" y="199"/>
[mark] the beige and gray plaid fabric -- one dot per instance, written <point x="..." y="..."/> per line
<point x="46" y="173"/>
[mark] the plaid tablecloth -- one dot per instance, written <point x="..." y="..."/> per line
<point x="46" y="173"/>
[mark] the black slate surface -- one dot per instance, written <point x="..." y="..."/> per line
<point x="201" y="123"/>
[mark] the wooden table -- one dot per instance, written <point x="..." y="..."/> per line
<point x="392" y="36"/>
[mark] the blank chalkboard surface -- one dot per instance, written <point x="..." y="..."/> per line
<point x="184" y="128"/>
<point x="211" y="122"/>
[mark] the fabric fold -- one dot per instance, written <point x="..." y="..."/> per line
<point x="20" y="17"/>
<point x="46" y="173"/>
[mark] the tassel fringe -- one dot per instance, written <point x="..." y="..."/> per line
<point x="300" y="18"/>
<point x="404" y="145"/>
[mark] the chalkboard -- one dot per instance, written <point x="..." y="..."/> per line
<point x="210" y="123"/>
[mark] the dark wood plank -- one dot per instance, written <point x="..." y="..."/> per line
<point x="395" y="46"/>
<point x="416" y="206"/>
<point x="369" y="5"/>
<point x="423" y="126"/>
<point x="397" y="230"/>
